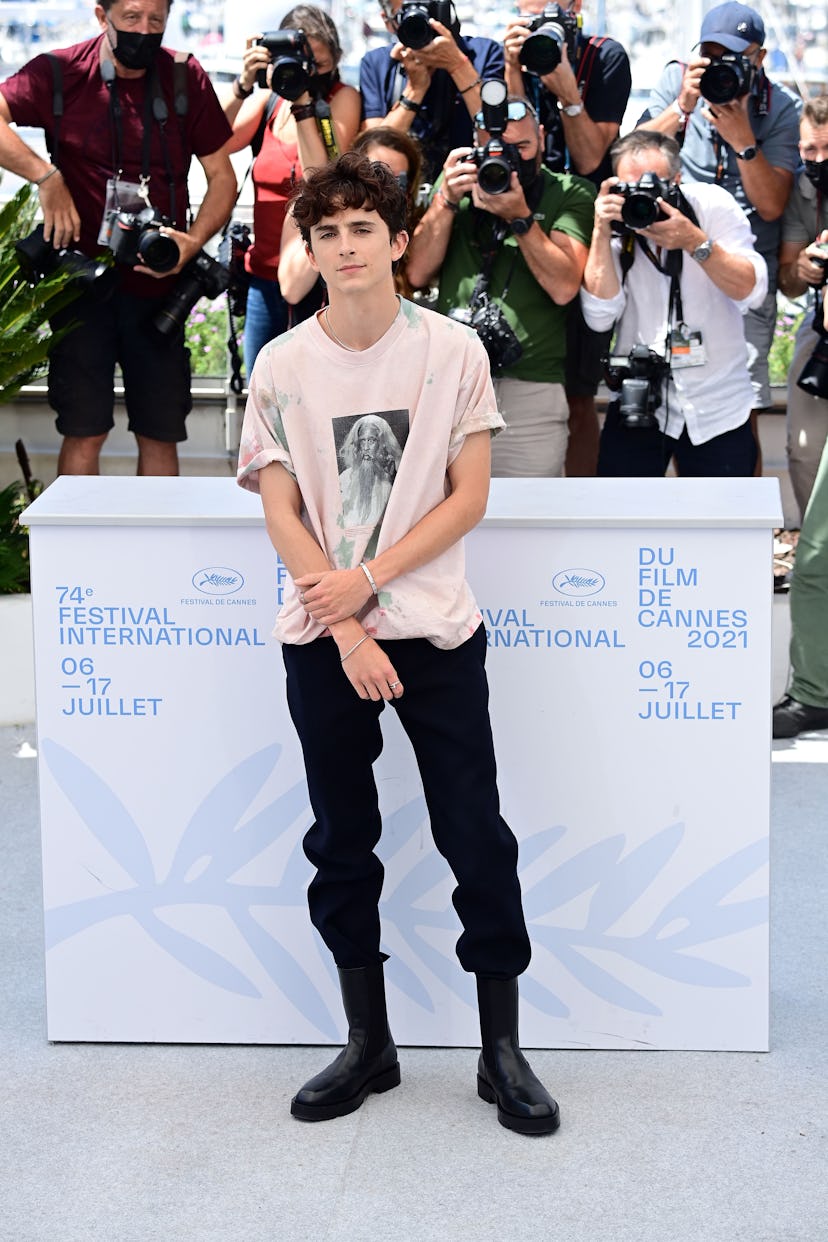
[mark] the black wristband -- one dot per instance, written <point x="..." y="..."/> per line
<point x="239" y="91"/>
<point x="408" y="104"/>
<point x="302" y="112"/>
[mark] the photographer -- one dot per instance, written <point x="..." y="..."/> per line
<point x="530" y="243"/>
<point x="286" y="135"/>
<point x="678" y="287"/>
<point x="131" y="117"/>
<point x="579" y="87"/>
<point x="802" y="267"/>
<point x="805" y="706"/>
<point x="738" y="130"/>
<point x="432" y="91"/>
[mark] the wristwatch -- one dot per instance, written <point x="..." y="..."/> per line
<point x="522" y="225"/>
<point x="571" y="109"/>
<point x="749" y="153"/>
<point x="703" y="251"/>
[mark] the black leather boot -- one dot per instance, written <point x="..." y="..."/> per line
<point x="367" y="1063"/>
<point x="504" y="1076"/>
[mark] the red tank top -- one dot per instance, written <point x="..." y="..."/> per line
<point x="276" y="170"/>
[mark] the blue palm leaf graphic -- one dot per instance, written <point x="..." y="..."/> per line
<point x="403" y="977"/>
<point x="668" y="963"/>
<point x="532" y="847"/>
<point x="542" y="998"/>
<point x="196" y="956"/>
<point x="599" y="981"/>
<point x="221" y="810"/>
<point x="698" y="906"/>
<point x="102" y="811"/>
<point x="287" y="974"/>
<point x="575" y="876"/>
<point x="235" y="849"/>
<point x="631" y="877"/>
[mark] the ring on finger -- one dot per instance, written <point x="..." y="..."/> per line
<point x="392" y="685"/>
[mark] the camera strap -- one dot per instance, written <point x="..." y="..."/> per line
<point x="155" y="109"/>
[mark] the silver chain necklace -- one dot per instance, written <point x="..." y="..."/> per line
<point x="349" y="348"/>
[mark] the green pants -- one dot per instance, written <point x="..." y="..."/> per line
<point x="809" y="597"/>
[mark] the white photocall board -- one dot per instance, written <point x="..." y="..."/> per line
<point x="629" y="627"/>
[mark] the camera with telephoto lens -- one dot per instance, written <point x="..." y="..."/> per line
<point x="202" y="277"/>
<point x="639" y="379"/>
<point x="233" y="247"/>
<point x="494" y="330"/>
<point x="726" y="78"/>
<point x="292" y="61"/>
<point x="496" y="159"/>
<point x="640" y="208"/>
<point x="38" y="259"/>
<point x="136" y="238"/>
<point x="550" y="31"/>
<point x="413" y="28"/>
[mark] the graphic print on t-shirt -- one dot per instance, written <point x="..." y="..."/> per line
<point x="369" y="448"/>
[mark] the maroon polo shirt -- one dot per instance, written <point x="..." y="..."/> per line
<point x="88" y="145"/>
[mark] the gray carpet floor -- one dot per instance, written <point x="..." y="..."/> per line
<point x="129" y="1143"/>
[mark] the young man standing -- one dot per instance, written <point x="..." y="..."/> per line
<point x="379" y="612"/>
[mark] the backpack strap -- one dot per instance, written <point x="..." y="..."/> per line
<point x="53" y="139"/>
<point x="181" y="83"/>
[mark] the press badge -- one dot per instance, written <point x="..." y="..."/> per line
<point x="130" y="196"/>
<point x="686" y="348"/>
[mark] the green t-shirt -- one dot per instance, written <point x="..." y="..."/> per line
<point x="566" y="206"/>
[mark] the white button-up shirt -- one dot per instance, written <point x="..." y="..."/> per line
<point x="718" y="395"/>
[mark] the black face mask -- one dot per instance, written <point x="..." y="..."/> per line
<point x="135" y="51"/>
<point x="527" y="171"/>
<point x="817" y="173"/>
<point x="321" y="84"/>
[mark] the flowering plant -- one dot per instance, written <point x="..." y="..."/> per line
<point x="206" y="332"/>
<point x="789" y="316"/>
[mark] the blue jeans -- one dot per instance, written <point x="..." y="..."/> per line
<point x="265" y="318"/>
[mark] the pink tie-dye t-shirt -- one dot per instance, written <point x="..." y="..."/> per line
<point x="369" y="436"/>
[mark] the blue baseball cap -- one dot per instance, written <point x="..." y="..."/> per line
<point x="734" y="26"/>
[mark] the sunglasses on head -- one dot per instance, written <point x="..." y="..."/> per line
<point x="516" y="110"/>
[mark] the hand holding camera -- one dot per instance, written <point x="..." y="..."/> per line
<point x="289" y="63"/>
<point x="812" y="264"/>
<point x="255" y="64"/>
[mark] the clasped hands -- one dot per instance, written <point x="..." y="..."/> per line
<point x="334" y="595"/>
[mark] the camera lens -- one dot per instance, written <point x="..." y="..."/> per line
<point x="720" y="83"/>
<point x="414" y="30"/>
<point x="289" y="78"/>
<point x="541" y="52"/>
<point x="157" y="251"/>
<point x="639" y="211"/>
<point x="634" y="406"/>
<point x="494" y="175"/>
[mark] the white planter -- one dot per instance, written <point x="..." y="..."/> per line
<point x="17" y="696"/>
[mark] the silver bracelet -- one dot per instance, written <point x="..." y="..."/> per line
<point x="364" y="638"/>
<point x="46" y="176"/>
<point x="369" y="576"/>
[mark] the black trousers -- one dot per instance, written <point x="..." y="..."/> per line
<point x="444" y="711"/>
<point x="636" y="453"/>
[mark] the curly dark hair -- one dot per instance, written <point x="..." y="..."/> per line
<point x="350" y="181"/>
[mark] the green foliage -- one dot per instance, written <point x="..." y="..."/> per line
<point x="14" y="539"/>
<point x="206" y="332"/>
<point x="24" y="308"/>
<point x="789" y="317"/>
